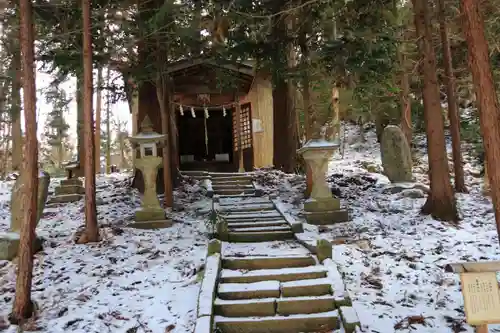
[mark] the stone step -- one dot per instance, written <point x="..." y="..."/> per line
<point x="282" y="274"/>
<point x="65" y="198"/>
<point x="262" y="219"/>
<point x="245" y="307"/>
<point x="252" y="215"/>
<point x="244" y="201"/>
<point x="254" y="262"/>
<point x="277" y="223"/>
<point x="317" y="322"/>
<point x="248" y="208"/>
<point x="261" y="229"/>
<point x="262" y="289"/>
<point x="69" y="189"/>
<point x="234" y="191"/>
<point x="308" y="287"/>
<point x="258" y="236"/>
<point x="304" y="304"/>
<point x="231" y="186"/>
<point x="237" y="196"/>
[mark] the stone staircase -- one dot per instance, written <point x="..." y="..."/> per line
<point x="251" y="219"/>
<point x="285" y="294"/>
<point x="263" y="292"/>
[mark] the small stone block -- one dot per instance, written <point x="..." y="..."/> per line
<point x="321" y="205"/>
<point x="223" y="230"/>
<point x="323" y="250"/>
<point x="246" y="308"/>
<point x="343" y="301"/>
<point x="9" y="245"/>
<point x="65" y="198"/>
<point x="297" y="228"/>
<point x="290" y="289"/>
<point x="149" y="215"/>
<point x="349" y="318"/>
<point x="326" y="218"/>
<point x="158" y="224"/>
<point x="214" y="246"/>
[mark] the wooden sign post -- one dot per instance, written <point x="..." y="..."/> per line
<point x="480" y="291"/>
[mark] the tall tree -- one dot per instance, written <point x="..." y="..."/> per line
<point x="449" y="80"/>
<point x="91" y="228"/>
<point x="23" y="307"/>
<point x="489" y="108"/>
<point x="441" y="200"/>
<point x="108" y="127"/>
<point x="98" y="121"/>
<point x="17" y="134"/>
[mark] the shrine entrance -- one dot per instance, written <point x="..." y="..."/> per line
<point x="206" y="143"/>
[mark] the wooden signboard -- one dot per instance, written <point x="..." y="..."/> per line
<point x="481" y="293"/>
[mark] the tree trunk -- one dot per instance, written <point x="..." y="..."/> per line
<point x="449" y="80"/>
<point x="108" y="128"/>
<point x="91" y="227"/>
<point x="98" y="122"/>
<point x="164" y="101"/>
<point x="489" y="110"/>
<point x="17" y="134"/>
<point x="79" y="121"/>
<point x="441" y="201"/>
<point x="23" y="307"/>
<point x="174" y="144"/>
<point x="284" y="133"/>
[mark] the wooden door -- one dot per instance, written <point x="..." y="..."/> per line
<point x="245" y="119"/>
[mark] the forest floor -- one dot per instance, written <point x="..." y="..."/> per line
<point x="138" y="281"/>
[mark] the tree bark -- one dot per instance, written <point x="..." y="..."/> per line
<point x="489" y="109"/>
<point x="91" y="227"/>
<point x="441" y="201"/>
<point x="108" y="129"/>
<point x="453" y="116"/>
<point x="98" y="122"/>
<point x="17" y="134"/>
<point x="79" y="121"/>
<point x="163" y="102"/>
<point x="285" y="129"/>
<point x="23" y="307"/>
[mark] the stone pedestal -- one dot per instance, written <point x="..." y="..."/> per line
<point x="321" y="207"/>
<point x="151" y="215"/>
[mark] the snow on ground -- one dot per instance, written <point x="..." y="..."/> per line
<point x="393" y="259"/>
<point x="132" y="281"/>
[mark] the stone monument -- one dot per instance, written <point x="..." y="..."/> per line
<point x="70" y="189"/>
<point x="151" y="215"/>
<point x="9" y="241"/>
<point x="321" y="207"/>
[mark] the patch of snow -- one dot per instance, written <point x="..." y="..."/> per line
<point x="254" y="286"/>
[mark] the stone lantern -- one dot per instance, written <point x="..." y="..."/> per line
<point x="321" y="207"/>
<point x="151" y="215"/>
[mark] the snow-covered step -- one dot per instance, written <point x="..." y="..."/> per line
<point x="272" y="262"/>
<point x="252" y="215"/>
<point x="244" y="201"/>
<point x="263" y="219"/>
<point x="282" y="274"/>
<point x="233" y="186"/>
<point x="248" y="208"/>
<point x="258" y="236"/>
<point x="245" y="307"/>
<point x="262" y="229"/>
<point x="305" y="304"/>
<point x="316" y="322"/>
<point x="257" y="223"/>
<point x="308" y="287"/>
<point x="237" y="196"/>
<point x="262" y="289"/>
<point x="227" y="191"/>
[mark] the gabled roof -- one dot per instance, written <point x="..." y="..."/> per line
<point x="184" y="64"/>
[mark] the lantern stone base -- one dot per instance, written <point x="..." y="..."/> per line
<point x="151" y="219"/>
<point x="325" y="211"/>
<point x="9" y="245"/>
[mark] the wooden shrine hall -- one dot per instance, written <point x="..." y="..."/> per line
<point x="220" y="111"/>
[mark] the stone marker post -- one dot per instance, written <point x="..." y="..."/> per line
<point x="9" y="241"/>
<point x="321" y="207"/>
<point x="151" y="215"/>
